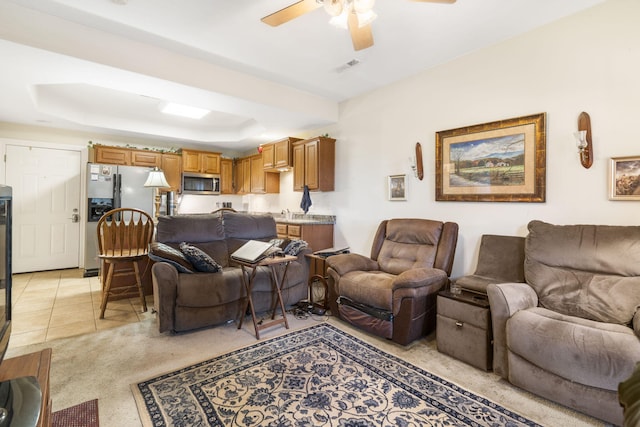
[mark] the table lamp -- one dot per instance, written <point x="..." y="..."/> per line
<point x="156" y="180"/>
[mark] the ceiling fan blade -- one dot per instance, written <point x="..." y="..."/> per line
<point x="291" y="12"/>
<point x="436" y="1"/>
<point x="361" y="37"/>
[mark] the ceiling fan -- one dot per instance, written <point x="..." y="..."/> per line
<point x="356" y="15"/>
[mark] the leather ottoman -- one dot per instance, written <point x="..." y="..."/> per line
<point x="463" y="328"/>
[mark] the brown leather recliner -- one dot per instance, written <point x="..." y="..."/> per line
<point x="393" y="293"/>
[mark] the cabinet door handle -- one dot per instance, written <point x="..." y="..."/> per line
<point x="459" y="324"/>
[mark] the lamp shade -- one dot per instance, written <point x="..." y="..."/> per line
<point x="156" y="179"/>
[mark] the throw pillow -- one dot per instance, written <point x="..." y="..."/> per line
<point x="295" y="246"/>
<point x="200" y="260"/>
<point x="161" y="252"/>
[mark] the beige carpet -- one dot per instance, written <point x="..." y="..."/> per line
<point x="103" y="365"/>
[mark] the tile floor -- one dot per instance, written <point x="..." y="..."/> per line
<point x="61" y="303"/>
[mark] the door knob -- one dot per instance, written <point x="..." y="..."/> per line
<point x="75" y="216"/>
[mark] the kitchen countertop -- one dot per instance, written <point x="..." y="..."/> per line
<point x="305" y="219"/>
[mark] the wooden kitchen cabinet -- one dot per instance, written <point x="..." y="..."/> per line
<point x="251" y="177"/>
<point x="317" y="236"/>
<point x="257" y="175"/>
<point x="226" y="176"/>
<point x="314" y="164"/>
<point x="200" y="161"/>
<point x="171" y="165"/>
<point x="268" y="158"/>
<point x="277" y="155"/>
<point x="243" y="175"/>
<point x="151" y="159"/>
<point x="112" y="155"/>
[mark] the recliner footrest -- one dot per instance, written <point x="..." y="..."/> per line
<point x="372" y="311"/>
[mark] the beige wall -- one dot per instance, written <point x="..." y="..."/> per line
<point x="586" y="62"/>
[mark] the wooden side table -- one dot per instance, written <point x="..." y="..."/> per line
<point x="248" y="275"/>
<point x="37" y="365"/>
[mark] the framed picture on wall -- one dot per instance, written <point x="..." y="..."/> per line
<point x="397" y="187"/>
<point x="624" y="178"/>
<point x="503" y="161"/>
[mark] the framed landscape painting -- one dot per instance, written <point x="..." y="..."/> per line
<point x="624" y="182"/>
<point x="503" y="161"/>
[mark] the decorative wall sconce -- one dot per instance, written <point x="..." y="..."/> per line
<point x="583" y="140"/>
<point x="416" y="163"/>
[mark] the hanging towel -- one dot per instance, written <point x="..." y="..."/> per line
<point x="306" y="200"/>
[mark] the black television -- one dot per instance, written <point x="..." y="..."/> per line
<point x="5" y="267"/>
<point x="20" y="398"/>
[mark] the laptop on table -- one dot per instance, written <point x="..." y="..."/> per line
<point x="252" y="252"/>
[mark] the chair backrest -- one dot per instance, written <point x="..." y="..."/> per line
<point x="403" y="244"/>
<point x="501" y="258"/>
<point x="585" y="270"/>
<point x="125" y="232"/>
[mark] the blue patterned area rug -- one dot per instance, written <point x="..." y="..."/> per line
<point x="320" y="376"/>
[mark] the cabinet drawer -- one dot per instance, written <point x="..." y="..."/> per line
<point x="464" y="341"/>
<point x="281" y="229"/>
<point x="464" y="312"/>
<point x="295" y="231"/>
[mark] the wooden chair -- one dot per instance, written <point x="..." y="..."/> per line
<point x="124" y="235"/>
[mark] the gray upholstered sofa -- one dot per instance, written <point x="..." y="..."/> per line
<point x="571" y="333"/>
<point x="186" y="301"/>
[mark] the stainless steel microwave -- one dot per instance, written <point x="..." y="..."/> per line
<point x="200" y="183"/>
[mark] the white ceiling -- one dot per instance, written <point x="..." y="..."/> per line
<point x="99" y="66"/>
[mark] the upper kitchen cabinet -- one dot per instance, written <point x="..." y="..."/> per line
<point x="146" y="158"/>
<point x="112" y="155"/>
<point x="261" y="181"/>
<point x="171" y="165"/>
<point x="277" y="155"/>
<point x="200" y="161"/>
<point x="226" y="176"/>
<point x="314" y="164"/>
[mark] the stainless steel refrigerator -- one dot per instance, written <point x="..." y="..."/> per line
<point x="110" y="187"/>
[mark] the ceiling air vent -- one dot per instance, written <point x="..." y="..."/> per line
<point x="348" y="65"/>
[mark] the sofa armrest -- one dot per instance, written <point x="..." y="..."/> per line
<point x="420" y="277"/>
<point x="345" y="263"/>
<point x="165" y="286"/>
<point x="505" y="299"/>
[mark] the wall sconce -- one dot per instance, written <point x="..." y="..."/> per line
<point x="416" y="163"/>
<point x="156" y="180"/>
<point x="583" y="140"/>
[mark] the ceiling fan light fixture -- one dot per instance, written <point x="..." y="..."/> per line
<point x="333" y="7"/>
<point x="341" y="20"/>
<point x="366" y="18"/>
<point x="363" y="6"/>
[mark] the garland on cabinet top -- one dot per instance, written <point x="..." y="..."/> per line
<point x="171" y="150"/>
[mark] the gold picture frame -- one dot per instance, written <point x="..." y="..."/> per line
<point x="397" y="187"/>
<point x="624" y="178"/>
<point x="502" y="161"/>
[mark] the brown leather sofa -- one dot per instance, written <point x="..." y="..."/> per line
<point x="393" y="292"/>
<point x="186" y="301"/>
<point x="571" y="333"/>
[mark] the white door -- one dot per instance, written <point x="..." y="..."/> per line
<point x="46" y="203"/>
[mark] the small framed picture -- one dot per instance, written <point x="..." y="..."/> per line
<point x="397" y="187"/>
<point x="624" y="179"/>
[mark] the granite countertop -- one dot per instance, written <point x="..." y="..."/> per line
<point x="305" y="219"/>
